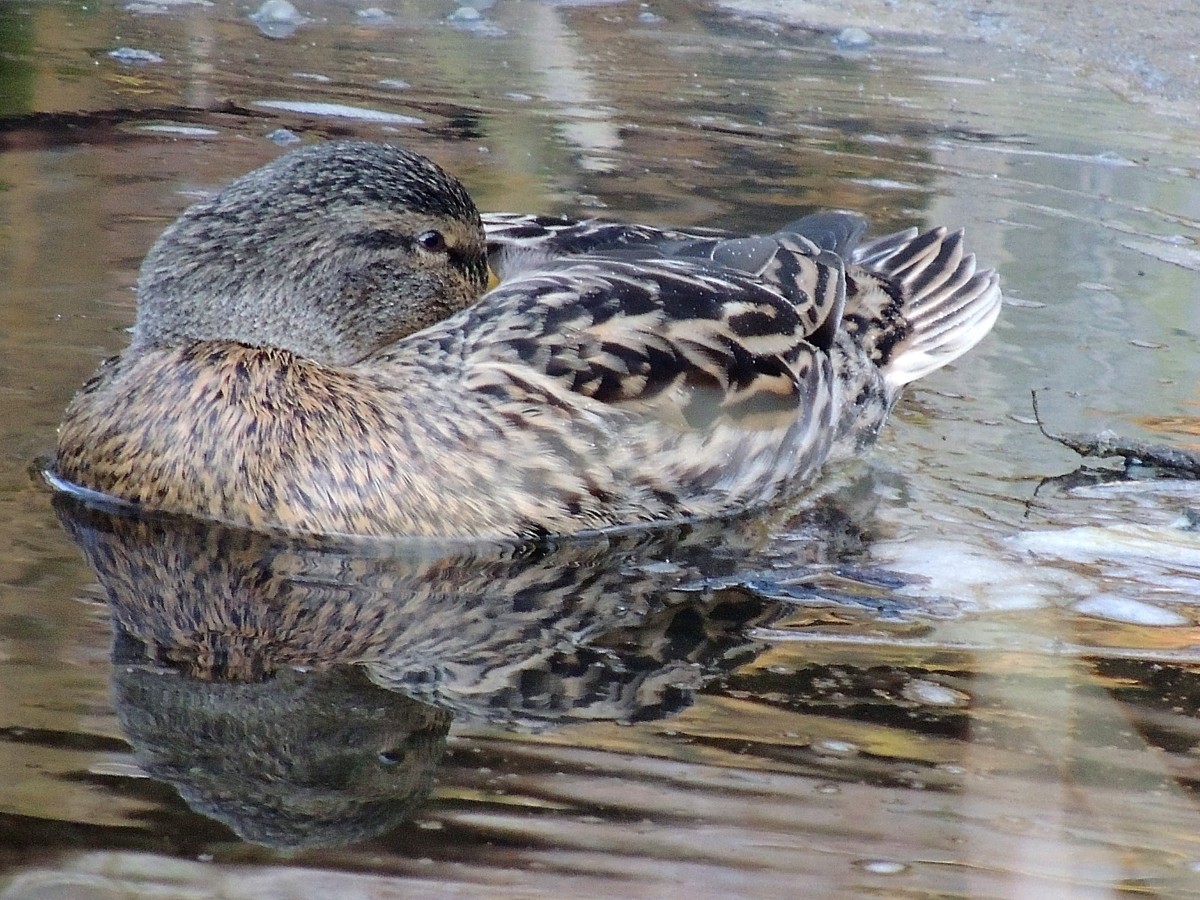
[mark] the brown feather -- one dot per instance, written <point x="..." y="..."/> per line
<point x="618" y="375"/>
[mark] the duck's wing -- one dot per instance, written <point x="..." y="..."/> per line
<point x="741" y="332"/>
<point x="518" y="243"/>
<point x="552" y="236"/>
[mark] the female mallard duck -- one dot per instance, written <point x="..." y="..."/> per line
<point x="314" y="350"/>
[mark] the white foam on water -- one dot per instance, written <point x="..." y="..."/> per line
<point x="973" y="577"/>
<point x="1147" y="545"/>
<point x="1127" y="610"/>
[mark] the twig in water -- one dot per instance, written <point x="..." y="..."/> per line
<point x="1107" y="443"/>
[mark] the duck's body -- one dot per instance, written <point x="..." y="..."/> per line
<point x="618" y="374"/>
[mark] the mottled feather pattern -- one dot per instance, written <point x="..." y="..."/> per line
<point x="910" y="297"/>
<point x="697" y="339"/>
<point x="921" y="302"/>
<point x="561" y="236"/>
<point x="619" y="374"/>
<point x="889" y="311"/>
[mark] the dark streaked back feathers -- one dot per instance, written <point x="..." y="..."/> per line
<point x="682" y="331"/>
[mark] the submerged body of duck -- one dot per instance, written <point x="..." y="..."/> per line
<point x="315" y="350"/>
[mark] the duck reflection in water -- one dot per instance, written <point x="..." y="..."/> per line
<point x="301" y="690"/>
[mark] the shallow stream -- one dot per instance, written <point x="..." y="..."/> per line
<point x="970" y="667"/>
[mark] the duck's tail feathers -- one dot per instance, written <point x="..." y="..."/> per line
<point x="919" y="302"/>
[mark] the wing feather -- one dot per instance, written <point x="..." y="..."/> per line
<point x="684" y="335"/>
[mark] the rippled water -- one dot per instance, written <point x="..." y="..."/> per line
<point x="958" y="673"/>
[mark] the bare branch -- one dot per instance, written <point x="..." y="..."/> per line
<point x="1134" y="452"/>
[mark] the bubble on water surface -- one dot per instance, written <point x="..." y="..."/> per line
<point x="853" y="39"/>
<point x="471" y="20"/>
<point x="277" y="18"/>
<point x="135" y="56"/>
<point x="282" y="137"/>
<point x="374" y="15"/>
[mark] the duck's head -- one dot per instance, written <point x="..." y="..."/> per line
<point x="330" y="252"/>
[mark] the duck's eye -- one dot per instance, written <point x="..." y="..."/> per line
<point x="434" y="241"/>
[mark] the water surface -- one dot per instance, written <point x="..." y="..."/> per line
<point x="955" y="674"/>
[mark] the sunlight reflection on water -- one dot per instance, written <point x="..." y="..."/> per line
<point x="985" y="684"/>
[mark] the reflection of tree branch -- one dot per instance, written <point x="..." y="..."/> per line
<point x="1106" y="444"/>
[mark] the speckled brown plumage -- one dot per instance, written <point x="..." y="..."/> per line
<point x="309" y="355"/>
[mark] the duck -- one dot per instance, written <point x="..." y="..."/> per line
<point x="339" y="343"/>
